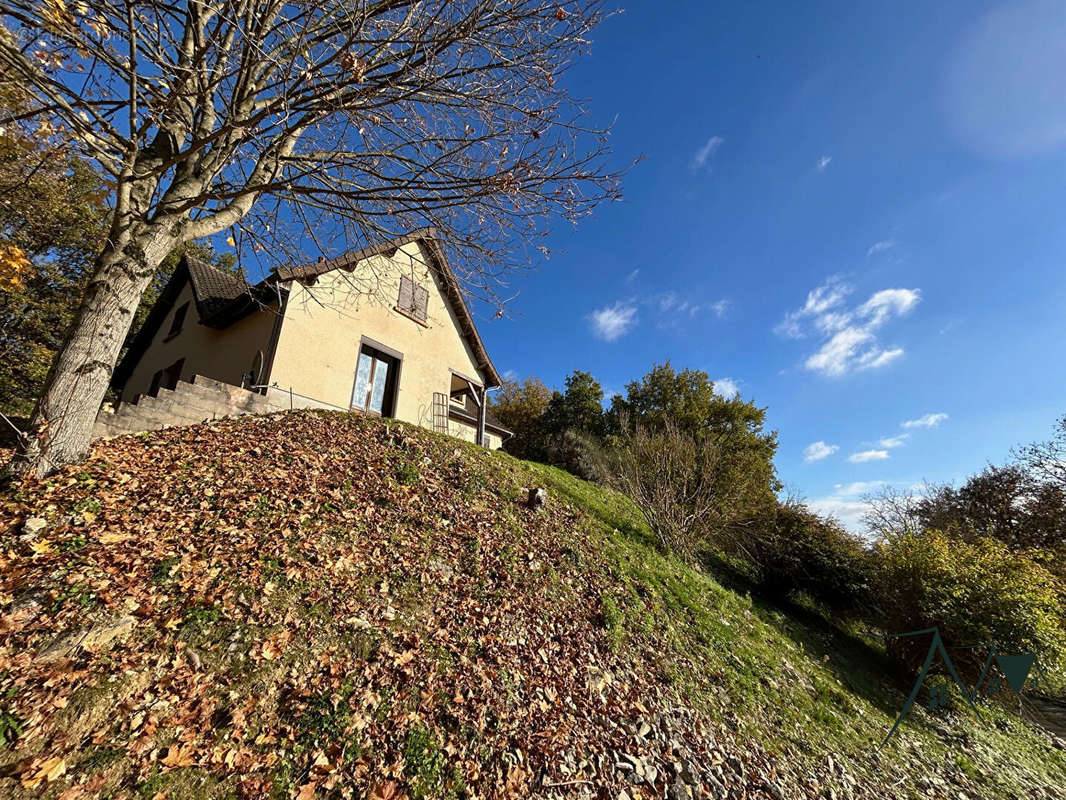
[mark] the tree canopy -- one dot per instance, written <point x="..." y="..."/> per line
<point x="520" y="407"/>
<point x="299" y="129"/>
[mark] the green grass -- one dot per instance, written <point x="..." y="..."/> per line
<point x="793" y="680"/>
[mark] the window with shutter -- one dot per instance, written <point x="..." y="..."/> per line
<point x="407" y="294"/>
<point x="414" y="299"/>
<point x="421" y="302"/>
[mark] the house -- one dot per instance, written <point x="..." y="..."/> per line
<point x="382" y="331"/>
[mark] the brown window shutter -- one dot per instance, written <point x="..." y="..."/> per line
<point x="421" y="302"/>
<point x="407" y="294"/>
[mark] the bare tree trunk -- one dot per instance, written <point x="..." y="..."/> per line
<point x="62" y="424"/>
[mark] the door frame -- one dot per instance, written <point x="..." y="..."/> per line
<point x="392" y="383"/>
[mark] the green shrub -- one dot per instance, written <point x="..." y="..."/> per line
<point x="973" y="592"/>
<point x="406" y="473"/>
<point x="794" y="550"/>
<point x="691" y="488"/>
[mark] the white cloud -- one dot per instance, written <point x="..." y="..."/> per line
<point x="887" y="303"/>
<point x="868" y="455"/>
<point x="890" y="442"/>
<point x="856" y="488"/>
<point x="823" y="162"/>
<point x="849" y="340"/>
<point x="880" y="247"/>
<point x="928" y="421"/>
<point x="819" y="303"/>
<point x="720" y="308"/>
<point x="632" y="276"/>
<point x="837" y="355"/>
<point x="670" y="303"/>
<point x="849" y="512"/>
<point x="614" y="321"/>
<point x="873" y="360"/>
<point x="510" y="375"/>
<point x="704" y="153"/>
<point x="816" y="451"/>
<point x="726" y="387"/>
<point x="667" y="301"/>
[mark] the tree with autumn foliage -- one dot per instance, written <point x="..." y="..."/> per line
<point x="53" y="219"/>
<point x="520" y="408"/>
<point x="325" y="124"/>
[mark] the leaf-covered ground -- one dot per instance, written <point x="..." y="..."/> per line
<point x="315" y="605"/>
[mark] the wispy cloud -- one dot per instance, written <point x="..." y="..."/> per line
<point x="703" y="155"/>
<point x="673" y="306"/>
<point x="510" y="375"/>
<point x="816" y="451"/>
<point x="880" y="247"/>
<point x="868" y="455"/>
<point x="891" y="442"/>
<point x="927" y="421"/>
<point x="613" y="322"/>
<point x="726" y="387"/>
<point x="857" y="488"/>
<point x="823" y="162"/>
<point x="632" y="276"/>
<point x="820" y="302"/>
<point x="849" y="335"/>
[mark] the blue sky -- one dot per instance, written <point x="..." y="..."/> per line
<point x="851" y="211"/>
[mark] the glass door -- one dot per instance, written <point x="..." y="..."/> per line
<point x="375" y="378"/>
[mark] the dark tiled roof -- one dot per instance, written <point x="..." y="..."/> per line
<point x="214" y="289"/>
<point x="440" y="265"/>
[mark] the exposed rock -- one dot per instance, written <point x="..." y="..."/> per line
<point x="440" y="568"/>
<point x="99" y="637"/>
<point x="33" y="527"/>
<point x="60" y="648"/>
<point x="537" y="498"/>
<point x="102" y="636"/>
<point x="679" y="790"/>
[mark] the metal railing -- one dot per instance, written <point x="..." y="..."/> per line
<point x="293" y="394"/>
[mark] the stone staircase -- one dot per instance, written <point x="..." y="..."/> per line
<point x="189" y="403"/>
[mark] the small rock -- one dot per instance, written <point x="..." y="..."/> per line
<point x="679" y="791"/>
<point x="441" y="568"/>
<point x="537" y="498"/>
<point x="103" y="635"/>
<point x="689" y="774"/>
<point x="26" y="608"/>
<point x="715" y="788"/>
<point x="62" y="647"/>
<point x="34" y="526"/>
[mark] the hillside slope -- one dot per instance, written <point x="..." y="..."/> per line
<point x="315" y="605"/>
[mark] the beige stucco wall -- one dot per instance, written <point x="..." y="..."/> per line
<point x="224" y="355"/>
<point x="318" y="345"/>
<point x="462" y="430"/>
